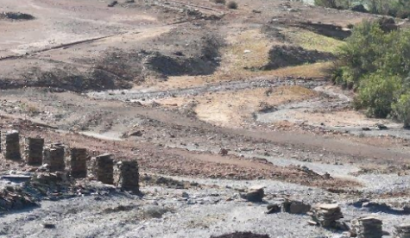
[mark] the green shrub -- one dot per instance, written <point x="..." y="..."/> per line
<point x="401" y="109"/>
<point x="377" y="93"/>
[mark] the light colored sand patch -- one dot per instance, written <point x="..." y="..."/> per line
<point x="233" y="109"/>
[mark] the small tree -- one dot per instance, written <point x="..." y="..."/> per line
<point x="378" y="93"/>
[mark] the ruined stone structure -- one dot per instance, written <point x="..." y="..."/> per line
<point x="104" y="168"/>
<point x="34" y="151"/>
<point x="129" y="176"/>
<point x="78" y="162"/>
<point x="367" y="227"/>
<point x="54" y="156"/>
<point x="402" y="231"/>
<point x="13" y="145"/>
<point x="326" y="215"/>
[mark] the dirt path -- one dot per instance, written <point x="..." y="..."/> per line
<point x="129" y="95"/>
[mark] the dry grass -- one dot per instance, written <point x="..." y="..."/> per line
<point x="316" y="70"/>
<point x="312" y="41"/>
<point x="245" y="49"/>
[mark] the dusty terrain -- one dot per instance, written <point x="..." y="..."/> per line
<point x="171" y="84"/>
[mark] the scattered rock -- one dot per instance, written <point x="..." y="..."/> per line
<point x="49" y="225"/>
<point x="402" y="231"/>
<point x="295" y="207"/>
<point x="16" y="16"/>
<point x="154" y="211"/>
<point x="255" y="194"/>
<point x="135" y="133"/>
<point x="112" y="4"/>
<point x="241" y="235"/>
<point x="273" y="208"/>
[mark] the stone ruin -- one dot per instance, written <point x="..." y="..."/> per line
<point x="54" y="156"/>
<point x="34" y="151"/>
<point x="104" y="168"/>
<point x="13" y="145"/>
<point x="326" y="215"/>
<point x="78" y="162"/>
<point x="402" y="231"/>
<point x="367" y="227"/>
<point x="129" y="176"/>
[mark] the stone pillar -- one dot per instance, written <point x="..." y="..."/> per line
<point x="367" y="227"/>
<point x="13" y="145"/>
<point x="34" y="151"/>
<point x="326" y="215"/>
<point x="78" y="163"/>
<point x="54" y="156"/>
<point x="129" y="176"/>
<point x="402" y="231"/>
<point x="104" y="168"/>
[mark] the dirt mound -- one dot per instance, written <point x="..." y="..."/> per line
<point x="17" y="16"/>
<point x="283" y="56"/>
<point x="68" y="78"/>
<point x="183" y="55"/>
<point x="241" y="235"/>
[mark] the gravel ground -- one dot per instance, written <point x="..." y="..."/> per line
<point x="192" y="213"/>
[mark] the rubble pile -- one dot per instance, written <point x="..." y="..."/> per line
<point x="78" y="162"/>
<point x="104" y="168"/>
<point x="326" y="215"/>
<point x="367" y="227"/>
<point x="11" y="198"/>
<point x="34" y="151"/>
<point x="129" y="176"/>
<point x="13" y="145"/>
<point x="402" y="231"/>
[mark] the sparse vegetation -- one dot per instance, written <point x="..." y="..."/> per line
<point x="232" y="5"/>
<point x="338" y="4"/>
<point x="376" y="63"/>
<point x="219" y="1"/>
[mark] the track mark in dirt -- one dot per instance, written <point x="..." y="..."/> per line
<point x="61" y="46"/>
<point x="125" y="95"/>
